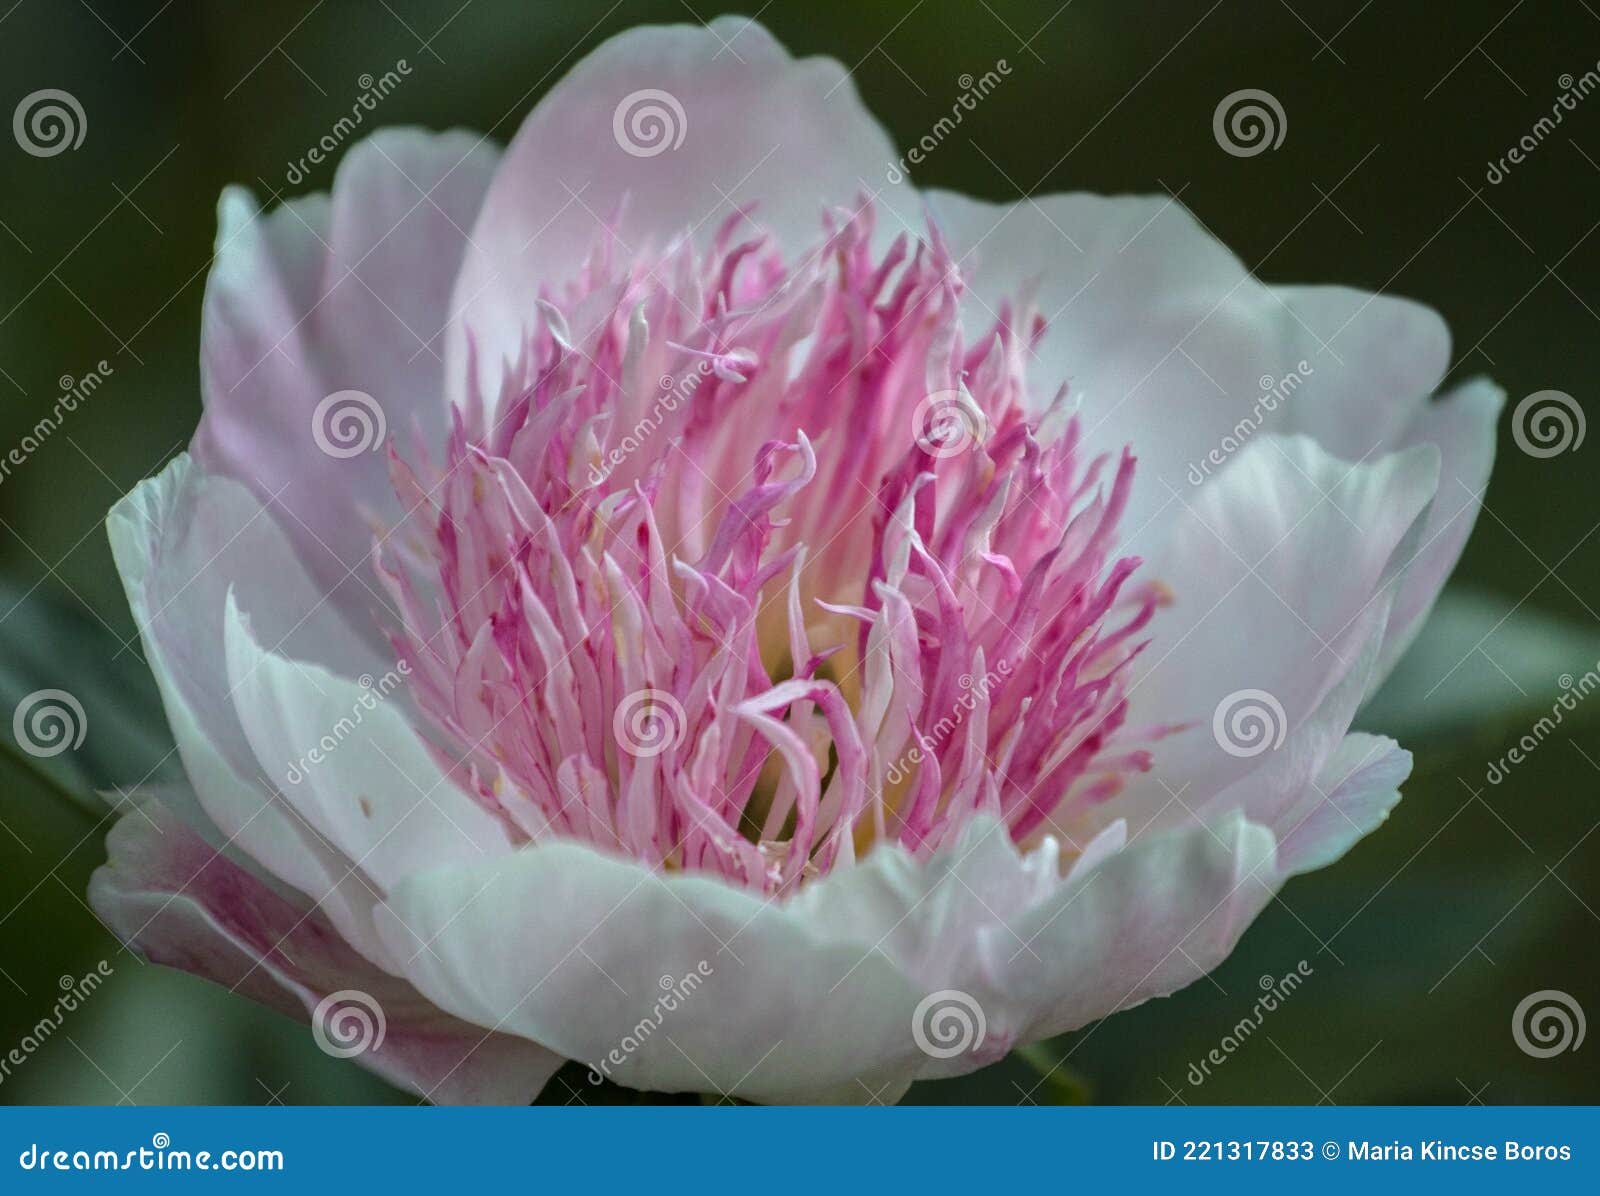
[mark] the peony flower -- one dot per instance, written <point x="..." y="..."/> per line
<point x="669" y="596"/>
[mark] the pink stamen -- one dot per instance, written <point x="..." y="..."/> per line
<point x="754" y="563"/>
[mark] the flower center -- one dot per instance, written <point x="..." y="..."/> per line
<point x="751" y="564"/>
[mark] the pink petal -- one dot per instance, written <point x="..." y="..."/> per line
<point x="320" y="296"/>
<point x="168" y="893"/>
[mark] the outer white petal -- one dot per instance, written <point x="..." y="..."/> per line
<point x="1359" y="785"/>
<point x="1279" y="787"/>
<point x="1146" y="922"/>
<point x="323" y="295"/>
<point x="756" y="126"/>
<point x="1154" y="326"/>
<point x="1462" y="424"/>
<point x="1283" y="571"/>
<point x="1153" y="917"/>
<point x="349" y="761"/>
<point x="832" y="995"/>
<point x="1374" y="396"/>
<point x="575" y="949"/>
<point x="181" y="542"/>
<point x="1375" y="361"/>
<point x="1165" y="340"/>
<point x="928" y="916"/>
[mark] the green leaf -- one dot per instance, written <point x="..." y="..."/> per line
<point x="1482" y="665"/>
<point x="80" y="708"/>
<point x="1060" y="1084"/>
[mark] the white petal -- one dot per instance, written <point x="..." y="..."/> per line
<point x="1358" y="787"/>
<point x="1282" y="790"/>
<point x="345" y="756"/>
<point x="1165" y="340"/>
<point x="576" y="950"/>
<point x="755" y="125"/>
<point x="1149" y="920"/>
<point x="1374" y="361"/>
<point x="926" y="915"/>
<point x="181" y="541"/>
<point x="165" y="891"/>
<point x="1154" y="326"/>
<point x="1280" y="567"/>
<point x="1462" y="425"/>
<point x="318" y="297"/>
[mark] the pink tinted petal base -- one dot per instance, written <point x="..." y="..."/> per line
<point x="185" y="905"/>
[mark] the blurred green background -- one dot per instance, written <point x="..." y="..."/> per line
<point x="1420" y="943"/>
